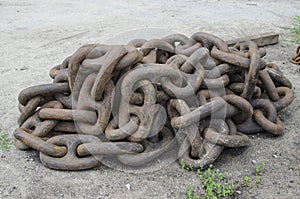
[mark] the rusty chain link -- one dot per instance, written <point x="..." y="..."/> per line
<point x="138" y="101"/>
<point x="296" y="59"/>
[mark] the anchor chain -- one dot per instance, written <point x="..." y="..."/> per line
<point x="137" y="101"/>
<point x="296" y="59"/>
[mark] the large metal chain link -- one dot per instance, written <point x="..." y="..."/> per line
<point x="137" y="101"/>
<point x="296" y="59"/>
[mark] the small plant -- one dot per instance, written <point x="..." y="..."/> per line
<point x="256" y="180"/>
<point x="190" y="193"/>
<point x="215" y="183"/>
<point x="190" y="168"/>
<point x="259" y="168"/>
<point x="182" y="164"/>
<point x="247" y="180"/>
<point x="294" y="168"/>
<point x="185" y="167"/>
<point x="5" y="142"/>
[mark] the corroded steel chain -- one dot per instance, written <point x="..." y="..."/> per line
<point x="138" y="101"/>
<point x="296" y="59"/>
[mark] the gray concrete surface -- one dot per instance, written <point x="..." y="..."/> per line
<point x="36" y="35"/>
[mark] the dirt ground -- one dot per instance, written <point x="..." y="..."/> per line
<point x="35" y="35"/>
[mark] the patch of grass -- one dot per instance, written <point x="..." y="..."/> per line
<point x="5" y="142"/>
<point x="294" y="168"/>
<point x="255" y="180"/>
<point x="186" y="167"/>
<point x="294" y="29"/>
<point x="216" y="184"/>
<point x="190" y="193"/>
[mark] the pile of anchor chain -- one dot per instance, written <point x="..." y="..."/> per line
<point x="138" y="101"/>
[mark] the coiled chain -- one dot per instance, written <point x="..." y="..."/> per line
<point x="138" y="101"/>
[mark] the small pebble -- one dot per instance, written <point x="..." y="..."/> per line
<point x="238" y="192"/>
<point x="274" y="156"/>
<point x="253" y="161"/>
<point x="128" y="186"/>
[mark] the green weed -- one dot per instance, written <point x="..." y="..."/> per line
<point x="216" y="184"/>
<point x="255" y="180"/>
<point x="247" y="180"/>
<point x="190" y="193"/>
<point x="294" y="29"/>
<point x="259" y="168"/>
<point x="186" y="167"/>
<point x="294" y="168"/>
<point x="5" y="142"/>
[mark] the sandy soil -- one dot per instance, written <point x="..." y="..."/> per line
<point x="36" y="35"/>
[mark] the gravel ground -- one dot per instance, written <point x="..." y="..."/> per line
<point x="36" y="35"/>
